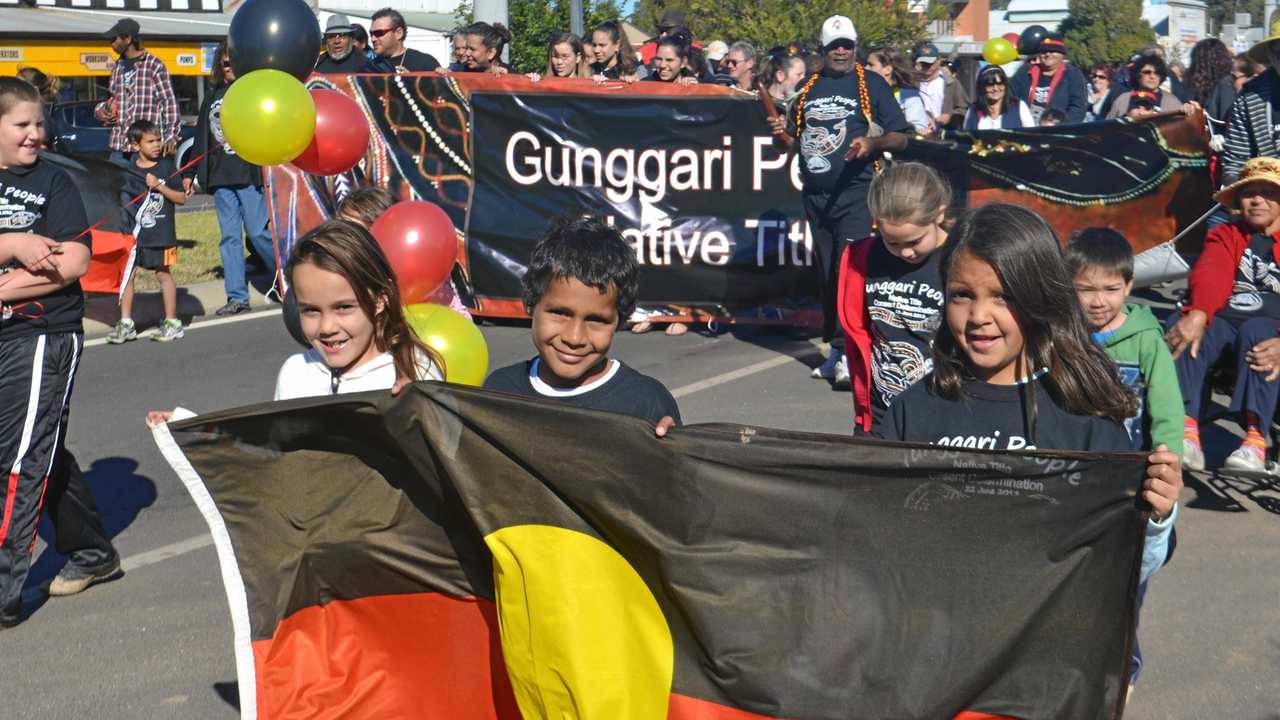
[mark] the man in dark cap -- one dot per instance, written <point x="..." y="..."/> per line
<point x="1052" y="82"/>
<point x="340" y="54"/>
<point x="670" y="22"/>
<point x="140" y="90"/>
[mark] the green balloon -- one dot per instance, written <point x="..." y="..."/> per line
<point x="455" y="337"/>
<point x="268" y="117"/>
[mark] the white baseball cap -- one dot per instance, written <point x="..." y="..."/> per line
<point x="838" y="27"/>
<point x="716" y="50"/>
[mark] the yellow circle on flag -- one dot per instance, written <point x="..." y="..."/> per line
<point x="582" y="635"/>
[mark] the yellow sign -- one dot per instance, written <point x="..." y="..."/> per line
<point x="70" y="58"/>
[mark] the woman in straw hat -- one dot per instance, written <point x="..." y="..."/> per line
<point x="1235" y="306"/>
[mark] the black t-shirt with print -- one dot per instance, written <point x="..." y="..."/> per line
<point x="628" y="392"/>
<point x="994" y="417"/>
<point x="41" y="199"/>
<point x="1040" y="95"/>
<point x="1256" y="290"/>
<point x="151" y="218"/>
<point x="904" y="301"/>
<point x="226" y="168"/>
<point x="833" y="117"/>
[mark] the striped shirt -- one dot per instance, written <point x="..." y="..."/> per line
<point x="143" y="92"/>
<point x="1251" y="129"/>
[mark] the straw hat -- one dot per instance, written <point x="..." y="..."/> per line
<point x="1259" y="169"/>
<point x="1259" y="52"/>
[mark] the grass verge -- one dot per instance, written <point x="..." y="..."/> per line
<point x="198" y="256"/>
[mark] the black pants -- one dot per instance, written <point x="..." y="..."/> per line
<point x="37" y="374"/>
<point x="835" y="220"/>
<point x="77" y="527"/>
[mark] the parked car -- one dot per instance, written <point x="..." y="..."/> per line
<point x="76" y="131"/>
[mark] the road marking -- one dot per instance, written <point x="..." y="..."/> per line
<point x="182" y="547"/>
<point x="732" y="375"/>
<point x="151" y="557"/>
<point x="205" y="323"/>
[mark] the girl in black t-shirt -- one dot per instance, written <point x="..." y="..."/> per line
<point x="44" y="249"/>
<point x="1014" y="366"/>
<point x="890" y="292"/>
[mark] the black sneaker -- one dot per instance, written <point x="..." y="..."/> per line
<point x="73" y="579"/>
<point x="233" y="307"/>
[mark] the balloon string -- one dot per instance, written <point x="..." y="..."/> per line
<point x="108" y="216"/>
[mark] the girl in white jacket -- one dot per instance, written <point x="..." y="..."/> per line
<point x="350" y="311"/>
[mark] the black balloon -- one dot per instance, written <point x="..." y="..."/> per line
<point x="279" y="34"/>
<point x="293" y="319"/>
<point x="1029" y="41"/>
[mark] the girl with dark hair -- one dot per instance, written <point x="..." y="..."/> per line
<point x="672" y="62"/>
<point x="613" y="56"/>
<point x="565" y="58"/>
<point x="1146" y="97"/>
<point x="351" y="313"/>
<point x="1015" y="367"/>
<point x="894" y="68"/>
<point x="485" y="44"/>
<point x="1209" y="79"/>
<point x="236" y="186"/>
<point x="994" y="108"/>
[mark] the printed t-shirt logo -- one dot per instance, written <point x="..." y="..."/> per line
<point x="819" y="140"/>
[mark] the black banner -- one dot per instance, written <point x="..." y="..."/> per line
<point x="699" y="187"/>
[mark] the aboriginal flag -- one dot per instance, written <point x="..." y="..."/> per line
<point x="453" y="553"/>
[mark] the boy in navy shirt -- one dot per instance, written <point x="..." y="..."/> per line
<point x="581" y="283"/>
<point x="152" y="223"/>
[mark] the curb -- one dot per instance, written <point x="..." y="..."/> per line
<point x="101" y="312"/>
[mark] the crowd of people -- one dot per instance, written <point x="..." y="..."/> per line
<point x="971" y="329"/>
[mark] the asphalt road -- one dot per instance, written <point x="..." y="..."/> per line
<point x="157" y="643"/>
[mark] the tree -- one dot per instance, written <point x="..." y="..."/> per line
<point x="535" y="22"/>
<point x="1105" y="31"/>
<point x="767" y="23"/>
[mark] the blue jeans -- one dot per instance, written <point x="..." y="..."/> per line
<point x="242" y="209"/>
<point x="1252" y="392"/>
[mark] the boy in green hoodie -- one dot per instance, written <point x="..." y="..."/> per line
<point x="1101" y="262"/>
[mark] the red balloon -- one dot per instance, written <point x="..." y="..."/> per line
<point x="342" y="135"/>
<point x="1012" y="37"/>
<point x="419" y="241"/>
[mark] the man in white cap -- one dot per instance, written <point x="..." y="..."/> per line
<point x="845" y="119"/>
<point x="339" y="54"/>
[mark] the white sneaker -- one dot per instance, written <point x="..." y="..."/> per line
<point x="1246" y="458"/>
<point x="827" y="370"/>
<point x="840" y="380"/>
<point x="1192" y="456"/>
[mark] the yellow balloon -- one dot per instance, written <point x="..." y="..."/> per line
<point x="268" y="117"/>
<point x="455" y="337"/>
<point x="999" y="51"/>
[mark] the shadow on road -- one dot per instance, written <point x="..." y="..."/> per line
<point x="121" y="494"/>
<point x="229" y="692"/>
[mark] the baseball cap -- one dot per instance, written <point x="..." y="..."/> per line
<point x="671" y="19"/>
<point x="838" y="27"/>
<point x="927" y="53"/>
<point x="716" y="49"/>
<point x="125" y="26"/>
<point x="338" y="24"/>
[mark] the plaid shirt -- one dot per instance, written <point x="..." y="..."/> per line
<point x="149" y="96"/>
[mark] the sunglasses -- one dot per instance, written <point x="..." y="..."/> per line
<point x="1148" y="71"/>
<point x="1100" y="76"/>
<point x="731" y="63"/>
<point x="226" y="63"/>
<point x="993" y="83"/>
<point x="380" y="33"/>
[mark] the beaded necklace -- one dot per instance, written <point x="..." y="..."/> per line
<point x="864" y="99"/>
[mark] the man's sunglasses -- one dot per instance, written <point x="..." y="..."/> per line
<point x="379" y="33"/>
<point x="731" y="63"/>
